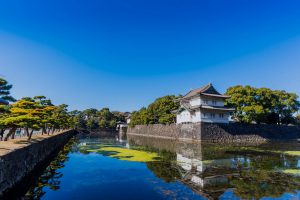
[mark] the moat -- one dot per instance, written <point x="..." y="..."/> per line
<point x="147" y="168"/>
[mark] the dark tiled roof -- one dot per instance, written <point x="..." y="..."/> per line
<point x="217" y="108"/>
<point x="215" y="95"/>
<point x="2" y="101"/>
<point x="208" y="89"/>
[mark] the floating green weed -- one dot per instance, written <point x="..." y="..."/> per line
<point x="289" y="153"/>
<point x="292" y="153"/>
<point x="292" y="171"/>
<point x="127" y="154"/>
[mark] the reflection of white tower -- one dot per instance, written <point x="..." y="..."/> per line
<point x="194" y="169"/>
<point x="82" y="144"/>
<point x="192" y="166"/>
<point x="190" y="163"/>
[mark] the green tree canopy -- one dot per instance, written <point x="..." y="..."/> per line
<point x="31" y="114"/>
<point x="262" y="105"/>
<point x="23" y="114"/>
<point x="158" y="112"/>
<point x="93" y="119"/>
<point x="298" y="119"/>
<point x="5" y="90"/>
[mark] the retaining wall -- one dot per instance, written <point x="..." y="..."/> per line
<point x="17" y="164"/>
<point x="218" y="132"/>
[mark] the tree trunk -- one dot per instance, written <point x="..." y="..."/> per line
<point x="26" y="131"/>
<point x="13" y="135"/>
<point x="11" y="131"/>
<point x="53" y="130"/>
<point x="30" y="134"/>
<point x="44" y="131"/>
<point x="49" y="130"/>
<point x="2" y="133"/>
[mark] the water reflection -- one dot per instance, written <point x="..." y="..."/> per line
<point x="210" y="171"/>
<point x="51" y="176"/>
<point x="228" y="171"/>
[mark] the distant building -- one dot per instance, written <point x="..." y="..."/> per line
<point x="128" y="118"/>
<point x="3" y="102"/>
<point x="204" y="104"/>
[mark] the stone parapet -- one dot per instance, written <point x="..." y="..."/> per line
<point x="17" y="163"/>
<point x="218" y="132"/>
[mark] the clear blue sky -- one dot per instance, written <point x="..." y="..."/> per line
<point x="123" y="54"/>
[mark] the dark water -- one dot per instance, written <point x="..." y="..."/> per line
<point x="145" y="169"/>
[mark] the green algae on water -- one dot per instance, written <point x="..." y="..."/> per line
<point x="292" y="171"/>
<point x="127" y="154"/>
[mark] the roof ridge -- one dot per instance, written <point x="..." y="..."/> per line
<point x="200" y="90"/>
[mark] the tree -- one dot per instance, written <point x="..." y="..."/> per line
<point x="23" y="114"/>
<point x="4" y="112"/>
<point x="91" y="118"/>
<point x="298" y="119"/>
<point x="60" y="118"/>
<point x="262" y="105"/>
<point x="119" y="116"/>
<point x="160" y="111"/>
<point x="76" y="120"/>
<point x="139" y="117"/>
<point x="32" y="114"/>
<point x="108" y="119"/>
<point x="46" y="109"/>
<point x="286" y="106"/>
<point x="105" y="117"/>
<point x="5" y="90"/>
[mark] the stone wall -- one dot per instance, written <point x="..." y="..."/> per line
<point x="17" y="164"/>
<point x="218" y="132"/>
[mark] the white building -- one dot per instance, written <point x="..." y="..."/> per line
<point x="204" y="104"/>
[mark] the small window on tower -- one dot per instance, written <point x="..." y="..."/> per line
<point x="212" y="115"/>
<point x="214" y="102"/>
<point x="221" y="115"/>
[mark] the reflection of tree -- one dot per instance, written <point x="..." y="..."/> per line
<point x="253" y="171"/>
<point x="251" y="177"/>
<point x="267" y="162"/>
<point x="164" y="170"/>
<point x="291" y="161"/>
<point x="51" y="176"/>
<point x="261" y="183"/>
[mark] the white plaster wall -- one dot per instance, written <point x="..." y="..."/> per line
<point x="219" y="102"/>
<point x="184" y="116"/>
<point x="216" y="119"/>
<point x="196" y="117"/>
<point x="195" y="101"/>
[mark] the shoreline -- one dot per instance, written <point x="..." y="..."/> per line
<point x="21" y="157"/>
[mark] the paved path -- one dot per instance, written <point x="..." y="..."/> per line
<point x="11" y="145"/>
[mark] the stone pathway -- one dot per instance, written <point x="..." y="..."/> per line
<point x="11" y="145"/>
